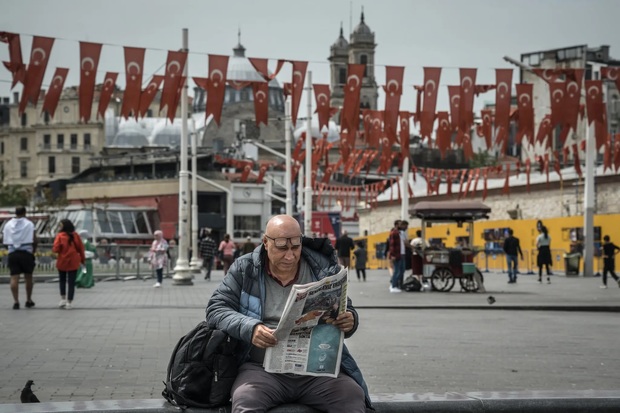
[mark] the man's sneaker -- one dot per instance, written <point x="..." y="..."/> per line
<point x="395" y="290"/>
<point x="29" y="304"/>
<point x="157" y="285"/>
<point x="62" y="303"/>
<point x="603" y="286"/>
<point x="68" y="306"/>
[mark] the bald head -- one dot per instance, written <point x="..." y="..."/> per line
<point x="283" y="226"/>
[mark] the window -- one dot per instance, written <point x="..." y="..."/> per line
<point x="60" y="141"/>
<point x="128" y="223"/>
<point x="23" y="144"/>
<point x="24" y="119"/>
<point x="51" y="165"/>
<point x="73" y="142"/>
<point x="75" y="165"/>
<point x="47" y="142"/>
<point x="2" y="148"/>
<point x="1" y="171"/>
<point x="87" y="141"/>
<point x="342" y="76"/>
<point x="364" y="61"/>
<point x="149" y="113"/>
<point x="23" y="169"/>
<point x="247" y="224"/>
<point x="46" y="117"/>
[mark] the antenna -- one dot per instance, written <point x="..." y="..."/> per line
<point x="350" y="19"/>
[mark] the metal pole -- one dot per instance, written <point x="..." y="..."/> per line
<point x="404" y="191"/>
<point x="195" y="262"/>
<point x="182" y="275"/>
<point x="589" y="201"/>
<point x="287" y="151"/>
<point x="308" y="188"/>
<point x="300" y="192"/>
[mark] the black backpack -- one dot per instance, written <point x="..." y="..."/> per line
<point x="411" y="283"/>
<point x="202" y="369"/>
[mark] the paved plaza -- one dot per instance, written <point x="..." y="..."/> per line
<point x="116" y="342"/>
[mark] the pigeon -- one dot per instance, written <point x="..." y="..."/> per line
<point x="491" y="299"/>
<point x="27" y="395"/>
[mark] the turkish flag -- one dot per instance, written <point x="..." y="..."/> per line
<point x="558" y="93"/>
<point x="260" y="91"/>
<point x="238" y="85"/>
<point x="89" y="61"/>
<point x="393" y="90"/>
<point x="443" y="133"/>
<point x="175" y="64"/>
<point x="432" y="76"/>
<point x="148" y="94"/>
<point x="261" y="66"/>
<point x="617" y="152"/>
<point x="571" y="99"/>
<point x="297" y="86"/>
<point x="375" y="132"/>
<point x="468" y="86"/>
<point x="503" y="95"/>
<point x="594" y="101"/>
<point x="53" y="94"/>
<point x="455" y="105"/>
<point x="526" y="112"/>
<point x="105" y="95"/>
<point x="322" y="95"/>
<point x="216" y="86"/>
<point x="544" y="130"/>
<point x="134" y="63"/>
<point x="15" y="65"/>
<point x="404" y="133"/>
<point x="351" y="104"/>
<point x="611" y="73"/>
<point x="39" y="56"/>
<point x="549" y="75"/>
<point x="486" y="129"/>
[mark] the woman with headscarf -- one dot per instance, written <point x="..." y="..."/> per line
<point x="70" y="255"/>
<point x="158" y="256"/>
<point x="85" y="277"/>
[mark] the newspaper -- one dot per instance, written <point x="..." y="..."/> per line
<point x="307" y="343"/>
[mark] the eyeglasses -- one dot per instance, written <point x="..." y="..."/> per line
<point x="282" y="242"/>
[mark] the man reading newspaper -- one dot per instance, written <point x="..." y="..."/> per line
<point x="248" y="305"/>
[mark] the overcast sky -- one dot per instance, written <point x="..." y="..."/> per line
<point x="410" y="33"/>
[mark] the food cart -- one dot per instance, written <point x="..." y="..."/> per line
<point x="442" y="266"/>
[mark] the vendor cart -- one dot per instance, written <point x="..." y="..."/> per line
<point x="443" y="266"/>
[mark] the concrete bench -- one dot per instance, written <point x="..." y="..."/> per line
<point x="600" y="401"/>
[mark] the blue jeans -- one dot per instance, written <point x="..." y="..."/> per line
<point x="513" y="267"/>
<point x="399" y="272"/>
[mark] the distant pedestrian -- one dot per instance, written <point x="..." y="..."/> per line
<point x="248" y="246"/>
<point x="85" y="278"/>
<point x="543" y="243"/>
<point x="207" y="252"/>
<point x="361" y="256"/>
<point x="70" y="255"/>
<point x="396" y="255"/>
<point x="512" y="247"/>
<point x="609" y="260"/>
<point x="344" y="246"/>
<point x="20" y="237"/>
<point x="418" y="245"/>
<point x="158" y="256"/>
<point x="227" y="250"/>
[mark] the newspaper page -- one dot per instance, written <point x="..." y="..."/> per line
<point x="307" y="343"/>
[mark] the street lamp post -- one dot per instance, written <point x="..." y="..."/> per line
<point x="195" y="263"/>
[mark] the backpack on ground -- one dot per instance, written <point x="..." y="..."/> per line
<point x="202" y="369"/>
<point x="411" y="284"/>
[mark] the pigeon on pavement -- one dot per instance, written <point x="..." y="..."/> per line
<point x="27" y="395"/>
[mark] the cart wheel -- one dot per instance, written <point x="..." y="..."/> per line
<point x="469" y="283"/>
<point x="442" y="279"/>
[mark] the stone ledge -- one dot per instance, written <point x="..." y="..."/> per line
<point x="601" y="401"/>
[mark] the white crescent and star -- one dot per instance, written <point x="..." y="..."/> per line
<point x="350" y="82"/>
<point x="172" y="64"/>
<point x="84" y="62"/>
<point x="523" y="98"/>
<point x="430" y="84"/>
<point x="572" y="85"/>
<point x="444" y="124"/>
<point x="296" y="74"/>
<point x="60" y="80"/>
<point x="612" y="73"/>
<point x="561" y="95"/>
<point x="545" y="74"/>
<point x="137" y="66"/>
<point x="216" y="76"/>
<point x="467" y="83"/>
<point x="259" y="94"/>
<point x="108" y="81"/>
<point x="455" y="100"/>
<point x="502" y="86"/>
<point x="393" y="82"/>
<point x="593" y="91"/>
<point x="322" y="98"/>
<point x="36" y="51"/>
<point x="152" y="86"/>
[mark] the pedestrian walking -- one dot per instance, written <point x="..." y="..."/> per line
<point x="396" y="253"/>
<point x="609" y="260"/>
<point x="248" y="246"/>
<point x="361" y="256"/>
<point x="20" y="238"/>
<point x="512" y="247"/>
<point x="227" y="252"/>
<point x="207" y="252"/>
<point x="344" y="246"/>
<point x="158" y="256"/>
<point x="70" y="256"/>
<point x="543" y="243"/>
<point x="85" y="277"/>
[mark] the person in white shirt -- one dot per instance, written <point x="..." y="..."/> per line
<point x="543" y="243"/>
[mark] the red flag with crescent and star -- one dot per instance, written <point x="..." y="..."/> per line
<point x="432" y="75"/>
<point x="148" y="94"/>
<point x="297" y="86"/>
<point x="53" y="94"/>
<point x="261" y="66"/>
<point x="260" y="90"/>
<point x="15" y="65"/>
<point x="89" y="61"/>
<point x="526" y="112"/>
<point x="375" y="128"/>
<point x="557" y="91"/>
<point x="455" y="105"/>
<point x="444" y="133"/>
<point x="548" y="75"/>
<point x="39" y="56"/>
<point x="572" y="98"/>
<point x="351" y="104"/>
<point x="322" y="96"/>
<point x="544" y="130"/>
<point x="393" y="90"/>
<point x="468" y="86"/>
<point x="486" y="129"/>
<point x="175" y="64"/>
<point x="216" y="86"/>
<point x="596" y="109"/>
<point x="503" y="95"/>
<point x="611" y="73"/>
<point x="105" y="95"/>
<point x="404" y="133"/>
<point x="134" y="63"/>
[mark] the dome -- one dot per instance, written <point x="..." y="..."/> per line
<point x="240" y="68"/>
<point x="362" y="32"/>
<point x="341" y="42"/>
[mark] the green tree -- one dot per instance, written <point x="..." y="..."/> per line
<point x="14" y="195"/>
<point x="482" y="159"/>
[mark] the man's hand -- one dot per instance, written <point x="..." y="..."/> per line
<point x="344" y="321"/>
<point x="263" y="337"/>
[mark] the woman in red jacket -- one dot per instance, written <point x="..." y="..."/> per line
<point x="70" y="255"/>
